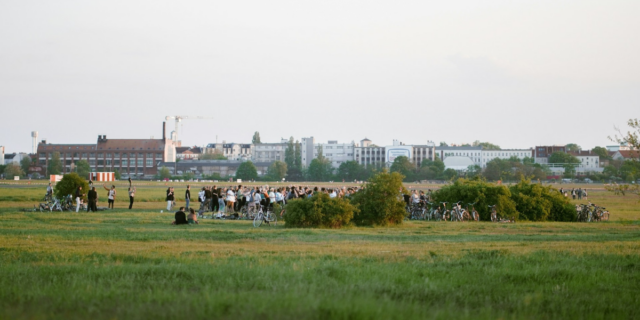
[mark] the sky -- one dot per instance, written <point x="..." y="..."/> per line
<point x="516" y="73"/>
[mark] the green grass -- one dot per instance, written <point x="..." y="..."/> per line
<point x="122" y="264"/>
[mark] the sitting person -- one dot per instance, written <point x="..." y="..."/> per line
<point x="181" y="218"/>
<point x="192" y="218"/>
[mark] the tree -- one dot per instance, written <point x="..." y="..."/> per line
<point x="497" y="169"/>
<point x="443" y="144"/>
<point x="350" y="170"/>
<point x="541" y="203"/>
<point x="55" y="165"/>
<point x="572" y="147"/>
<point x="2" y="167"/>
<point x="25" y="163"/>
<point x="561" y="157"/>
<point x="298" y="156"/>
<point x="164" y="173"/>
<point x="69" y="184"/>
<point x="116" y="174"/>
<point x="319" y="211"/>
<point x="256" y="138"/>
<point x="450" y="174"/>
<point x="432" y="170"/>
<point x="247" y="171"/>
<point x="473" y="171"/>
<point x="277" y="170"/>
<point x="403" y="166"/>
<point x="603" y="153"/>
<point x="319" y="169"/>
<point x="289" y="154"/>
<point x="83" y="168"/>
<point x="480" y="192"/>
<point x="528" y="160"/>
<point x="486" y="145"/>
<point x="212" y="155"/>
<point x="13" y="170"/>
<point x="378" y="204"/>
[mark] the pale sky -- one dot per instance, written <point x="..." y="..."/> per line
<point x="515" y="73"/>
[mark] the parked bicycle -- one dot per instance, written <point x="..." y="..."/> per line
<point x="267" y="217"/>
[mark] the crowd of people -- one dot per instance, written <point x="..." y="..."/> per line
<point x="230" y="200"/>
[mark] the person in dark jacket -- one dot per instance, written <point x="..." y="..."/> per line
<point x="187" y="196"/>
<point x="169" y="198"/>
<point x="93" y="200"/>
<point x="181" y="217"/>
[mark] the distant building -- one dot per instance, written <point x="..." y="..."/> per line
<point x="225" y="168"/>
<point x="626" y="155"/>
<point x="542" y="153"/>
<point x="588" y="159"/>
<point x="1" y="155"/>
<point x="131" y="157"/>
<point x="370" y="154"/>
<point x="479" y="156"/>
<point x="233" y="151"/>
<point x="188" y="153"/>
<point x="269" y="152"/>
<point x="336" y="153"/>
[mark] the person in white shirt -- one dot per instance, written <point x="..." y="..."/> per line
<point x="231" y="199"/>
<point x="333" y="194"/>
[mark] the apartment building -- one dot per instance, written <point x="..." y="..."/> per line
<point x="269" y="152"/>
<point x="233" y="151"/>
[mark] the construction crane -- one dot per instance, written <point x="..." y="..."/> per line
<point x="179" y="119"/>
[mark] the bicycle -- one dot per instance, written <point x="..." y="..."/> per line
<point x="474" y="214"/>
<point x="445" y="214"/>
<point x="267" y="217"/>
<point x="457" y="213"/>
<point x="417" y="211"/>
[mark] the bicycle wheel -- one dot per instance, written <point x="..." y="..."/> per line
<point x="257" y="221"/>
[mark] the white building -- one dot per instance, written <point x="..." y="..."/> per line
<point x="479" y="156"/>
<point x="233" y="151"/>
<point x="1" y="155"/>
<point x="370" y="154"/>
<point x="269" y="152"/>
<point x="588" y="159"/>
<point x="336" y="153"/>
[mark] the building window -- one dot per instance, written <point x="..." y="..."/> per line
<point x="149" y="163"/>
<point x="125" y="162"/>
<point x="140" y="162"/>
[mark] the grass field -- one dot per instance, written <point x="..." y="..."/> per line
<point x="133" y="264"/>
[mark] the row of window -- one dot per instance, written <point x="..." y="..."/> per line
<point x="103" y="155"/>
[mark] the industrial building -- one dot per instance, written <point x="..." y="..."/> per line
<point x="131" y="157"/>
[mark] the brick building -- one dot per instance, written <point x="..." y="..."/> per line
<point x="131" y="157"/>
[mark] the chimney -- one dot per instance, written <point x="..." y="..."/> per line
<point x="164" y="131"/>
<point x="104" y="137"/>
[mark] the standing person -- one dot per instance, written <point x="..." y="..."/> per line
<point x="132" y="195"/>
<point x="187" y="196"/>
<point x="170" y="198"/>
<point x="79" y="196"/>
<point x="579" y="193"/>
<point x="111" y="195"/>
<point x="584" y="193"/>
<point x="215" y="203"/>
<point x="221" y="202"/>
<point x="93" y="199"/>
<point x="231" y="200"/>
<point x="49" y="192"/>
<point x="573" y="193"/>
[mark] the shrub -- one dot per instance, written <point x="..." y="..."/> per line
<point x="318" y="211"/>
<point x="69" y="183"/>
<point x="541" y="203"/>
<point x="480" y="192"/>
<point x="379" y="202"/>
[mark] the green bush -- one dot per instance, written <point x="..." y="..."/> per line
<point x="68" y="185"/>
<point x="318" y="211"/>
<point x="480" y="192"/>
<point x="380" y="203"/>
<point x="541" y="203"/>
